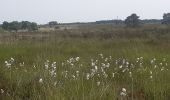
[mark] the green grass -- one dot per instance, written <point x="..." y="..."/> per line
<point x="22" y="82"/>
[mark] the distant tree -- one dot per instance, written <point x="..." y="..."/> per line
<point x="25" y="25"/>
<point x="14" y="26"/>
<point x="53" y="23"/>
<point x="5" y="25"/>
<point x="132" y="21"/>
<point x="166" y="19"/>
<point x="33" y="27"/>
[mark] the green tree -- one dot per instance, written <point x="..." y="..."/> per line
<point x="132" y="21"/>
<point x="25" y="25"/>
<point x="5" y="25"/>
<point x="33" y="27"/>
<point x="166" y="19"/>
<point x="53" y="23"/>
<point x="14" y="26"/>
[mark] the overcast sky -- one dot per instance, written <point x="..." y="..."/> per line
<point x="42" y="11"/>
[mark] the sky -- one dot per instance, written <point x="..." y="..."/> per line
<point x="66" y="11"/>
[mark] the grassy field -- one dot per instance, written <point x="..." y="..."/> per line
<point x="86" y="63"/>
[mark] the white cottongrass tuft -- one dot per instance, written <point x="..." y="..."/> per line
<point x="2" y="91"/>
<point x="40" y="80"/>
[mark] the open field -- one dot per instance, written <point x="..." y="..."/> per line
<point x="86" y="63"/>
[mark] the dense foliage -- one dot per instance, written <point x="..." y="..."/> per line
<point x="166" y="19"/>
<point x="132" y="21"/>
<point x="15" y="26"/>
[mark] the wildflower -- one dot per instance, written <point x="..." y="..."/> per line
<point x="12" y="59"/>
<point x="34" y="66"/>
<point x="98" y="83"/>
<point x="2" y="91"/>
<point x="123" y="92"/>
<point x="101" y="55"/>
<point x="77" y="73"/>
<point x="92" y="64"/>
<point x="162" y="68"/>
<point x="96" y="68"/>
<point x="113" y="75"/>
<point x="150" y="72"/>
<point x="120" y="66"/>
<point x="103" y="64"/>
<point x="21" y="64"/>
<point x="108" y="65"/>
<point x="6" y="62"/>
<point x="88" y="76"/>
<point x="77" y="58"/>
<point x="73" y="76"/>
<point x="161" y="64"/>
<point x="127" y="63"/>
<point x="151" y="77"/>
<point x="152" y="61"/>
<point x="40" y="80"/>
<point x="141" y="58"/>
<point x="106" y="59"/>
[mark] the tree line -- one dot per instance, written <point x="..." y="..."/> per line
<point x="134" y="21"/>
<point x="131" y="21"/>
<point x="15" y="26"/>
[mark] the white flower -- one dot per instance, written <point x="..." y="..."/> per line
<point x="151" y="77"/>
<point x="77" y="58"/>
<point x="6" y="62"/>
<point x="152" y="61"/>
<point x="150" y="72"/>
<point x="106" y="59"/>
<point x="113" y="75"/>
<point x="108" y="65"/>
<point x="12" y="59"/>
<point x="40" y="80"/>
<point x="2" y="91"/>
<point x="161" y="64"/>
<point x="123" y="94"/>
<point x="88" y="76"/>
<point x="124" y="90"/>
<point x="92" y="64"/>
<point x="98" y="83"/>
<point x="127" y="63"/>
<point x="120" y="66"/>
<point x="74" y="76"/>
<point x="162" y="68"/>
<point x="96" y="68"/>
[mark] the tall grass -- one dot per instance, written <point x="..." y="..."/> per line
<point x="90" y="63"/>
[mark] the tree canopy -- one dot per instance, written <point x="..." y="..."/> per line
<point x="132" y="21"/>
<point x="15" y="26"/>
<point x="166" y="19"/>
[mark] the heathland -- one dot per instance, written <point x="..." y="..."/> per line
<point x="93" y="62"/>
